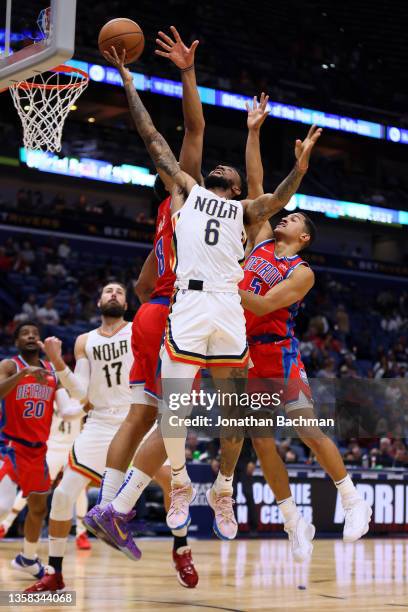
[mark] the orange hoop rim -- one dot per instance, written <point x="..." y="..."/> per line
<point x="46" y="86"/>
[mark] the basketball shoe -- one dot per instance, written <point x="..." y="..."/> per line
<point x="116" y="528"/>
<point x="51" y="582"/>
<point x="184" y="564"/>
<point x="225" y="525"/>
<point x="82" y="541"/>
<point x="94" y="528"/>
<point x="34" y="567"/>
<point x="178" y="515"/>
<point x="356" y="520"/>
<point x="301" y="534"/>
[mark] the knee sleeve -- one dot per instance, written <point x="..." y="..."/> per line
<point x="66" y="494"/>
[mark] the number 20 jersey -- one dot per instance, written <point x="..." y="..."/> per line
<point x="208" y="233"/>
<point x="26" y="411"/>
<point x="110" y="359"/>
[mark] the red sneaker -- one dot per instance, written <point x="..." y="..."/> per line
<point x="3" y="532"/>
<point x="51" y="582"/>
<point x="186" y="572"/>
<point x="82" y="541"/>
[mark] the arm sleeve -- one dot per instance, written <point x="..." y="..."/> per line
<point x="77" y="382"/>
<point x="68" y="408"/>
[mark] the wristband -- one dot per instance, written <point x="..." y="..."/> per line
<point x="187" y="69"/>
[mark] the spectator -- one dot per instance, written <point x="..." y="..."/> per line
<point x="290" y="456"/>
<point x="30" y="307"/>
<point x="385" y="456"/>
<point x="21" y="265"/>
<point x="27" y="252"/>
<point x="64" y="250"/>
<point x="47" y="315"/>
<point x="342" y="320"/>
<point x="56" y="269"/>
<point x="6" y="261"/>
<point x="80" y="207"/>
<point x="328" y="370"/>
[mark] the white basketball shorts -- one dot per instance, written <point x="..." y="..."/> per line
<point x="206" y="329"/>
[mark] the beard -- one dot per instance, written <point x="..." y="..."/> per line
<point x="115" y="311"/>
<point x="213" y="180"/>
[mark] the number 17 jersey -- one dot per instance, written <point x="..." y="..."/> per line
<point x="110" y="359"/>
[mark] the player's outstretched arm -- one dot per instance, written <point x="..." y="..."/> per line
<point x="156" y="145"/>
<point x="257" y="113"/>
<point x="147" y="278"/>
<point x="267" y="205"/>
<point x="77" y="382"/>
<point x="284" y="294"/>
<point x="175" y="50"/>
<point x="10" y="378"/>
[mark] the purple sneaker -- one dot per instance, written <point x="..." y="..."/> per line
<point x="116" y="529"/>
<point x="93" y="527"/>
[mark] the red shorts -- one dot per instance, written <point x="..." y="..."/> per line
<point x="26" y="466"/>
<point x="281" y="363"/>
<point x="147" y="336"/>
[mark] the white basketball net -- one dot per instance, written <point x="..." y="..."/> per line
<point x="43" y="104"/>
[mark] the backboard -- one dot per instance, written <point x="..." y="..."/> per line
<point x="45" y="40"/>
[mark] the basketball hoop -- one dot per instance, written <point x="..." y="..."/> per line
<point x="43" y="103"/>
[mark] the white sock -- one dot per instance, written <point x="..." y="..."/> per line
<point x="348" y="491"/>
<point x="223" y="484"/>
<point x="111" y="482"/>
<point x="289" y="509"/>
<point x="180" y="477"/>
<point x="56" y="546"/>
<point x="134" y="485"/>
<point x="30" y="549"/>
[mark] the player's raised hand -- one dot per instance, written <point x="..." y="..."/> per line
<point x="118" y="60"/>
<point x="304" y="148"/>
<point x="39" y="374"/>
<point x="52" y="347"/>
<point x="258" y="112"/>
<point x="175" y="50"/>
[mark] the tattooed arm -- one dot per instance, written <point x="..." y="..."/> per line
<point x="267" y="205"/>
<point x="157" y="147"/>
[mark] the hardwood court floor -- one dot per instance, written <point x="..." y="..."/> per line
<point x="234" y="576"/>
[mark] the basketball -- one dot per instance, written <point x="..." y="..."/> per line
<point x="122" y="33"/>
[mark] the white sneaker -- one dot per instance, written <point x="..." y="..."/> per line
<point x="301" y="534"/>
<point x="33" y="567"/>
<point x="356" y="521"/>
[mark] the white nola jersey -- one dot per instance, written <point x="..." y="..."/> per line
<point x="63" y="433"/>
<point x="208" y="239"/>
<point x="110" y="359"/>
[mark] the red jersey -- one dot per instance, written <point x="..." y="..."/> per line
<point x="27" y="410"/>
<point x="263" y="270"/>
<point x="162" y="248"/>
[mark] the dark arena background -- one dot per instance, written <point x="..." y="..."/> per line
<point x="74" y="220"/>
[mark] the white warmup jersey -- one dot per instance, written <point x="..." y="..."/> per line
<point x="110" y="359"/>
<point x="63" y="433"/>
<point x="62" y="436"/>
<point x="208" y="237"/>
